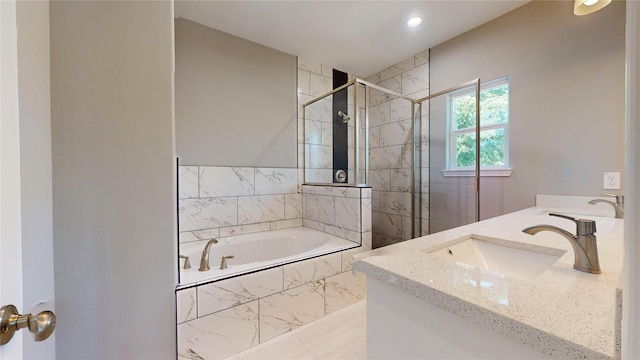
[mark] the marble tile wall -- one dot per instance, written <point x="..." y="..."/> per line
<point x="391" y="145"/>
<point x="223" y="201"/>
<point x="222" y="318"/>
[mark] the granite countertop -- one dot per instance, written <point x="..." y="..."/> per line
<point x="563" y="313"/>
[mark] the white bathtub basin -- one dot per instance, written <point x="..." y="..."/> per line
<point x="511" y="258"/>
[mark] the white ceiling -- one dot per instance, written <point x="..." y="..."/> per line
<point x="359" y="37"/>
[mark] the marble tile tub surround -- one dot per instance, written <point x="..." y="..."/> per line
<point x="563" y="313"/>
<point x="223" y="201"/>
<point x="220" y="319"/>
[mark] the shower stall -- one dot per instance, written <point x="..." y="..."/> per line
<point x="361" y="134"/>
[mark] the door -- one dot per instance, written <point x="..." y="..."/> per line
<point x="26" y="255"/>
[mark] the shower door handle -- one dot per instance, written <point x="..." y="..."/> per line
<point x="41" y="325"/>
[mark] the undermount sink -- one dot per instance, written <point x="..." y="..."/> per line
<point x="511" y="258"/>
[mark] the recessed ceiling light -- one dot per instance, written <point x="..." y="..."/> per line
<point x="414" y="22"/>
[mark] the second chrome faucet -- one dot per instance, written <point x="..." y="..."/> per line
<point x="584" y="243"/>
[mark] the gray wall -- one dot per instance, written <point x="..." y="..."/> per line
<point x="35" y="167"/>
<point x="114" y="193"/>
<point x="235" y="100"/>
<point x="566" y="97"/>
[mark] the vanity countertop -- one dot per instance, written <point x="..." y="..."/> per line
<point x="563" y="313"/>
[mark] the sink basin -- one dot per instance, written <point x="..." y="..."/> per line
<point x="511" y="258"/>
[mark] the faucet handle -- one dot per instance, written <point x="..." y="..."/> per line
<point x="583" y="226"/>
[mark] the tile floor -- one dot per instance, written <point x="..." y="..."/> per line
<point x="341" y="335"/>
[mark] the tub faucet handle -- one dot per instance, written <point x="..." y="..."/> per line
<point x="187" y="264"/>
<point x="223" y="262"/>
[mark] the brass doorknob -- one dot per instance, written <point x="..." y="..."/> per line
<point x="41" y="325"/>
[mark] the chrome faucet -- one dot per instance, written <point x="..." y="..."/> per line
<point x="585" y="245"/>
<point x="204" y="261"/>
<point x="618" y="206"/>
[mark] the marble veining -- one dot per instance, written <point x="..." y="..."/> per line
<point x="290" y="309"/>
<point x="219" y="335"/>
<point x="276" y="181"/>
<point x="187" y="182"/>
<point x="311" y="270"/>
<point x="256" y="209"/>
<point x="226" y="181"/>
<point x="228" y="293"/>
<point x="198" y="214"/>
<point x="343" y="290"/>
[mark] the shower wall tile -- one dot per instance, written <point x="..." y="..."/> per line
<point x="399" y="109"/>
<point x="198" y="214"/>
<point x="406" y="228"/>
<point x="224" y="294"/>
<point x="397" y="69"/>
<point x="415" y="80"/>
<point x="388" y="157"/>
<point x="396" y="133"/>
<point x="310" y="66"/>
<point x="226" y="181"/>
<point x="319" y="84"/>
<point x="187" y="182"/>
<point x="327" y="71"/>
<point x="256" y="209"/>
<point x="186" y="305"/>
<point x="343" y="290"/>
<point x="354" y="192"/>
<point x="283" y="312"/>
<point x="219" y="335"/>
<point x="375" y="200"/>
<point x="320" y="156"/>
<point x="313" y="132"/>
<point x="421" y="58"/>
<point x="327" y="133"/>
<point x="303" y="81"/>
<point x="401" y="180"/>
<point x="387" y="224"/>
<point x="380" y="179"/>
<point x="276" y="181"/>
<point x="395" y="203"/>
<point x="312" y="270"/>
<point x="374" y="137"/>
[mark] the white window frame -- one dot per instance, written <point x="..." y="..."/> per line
<point x="452" y="169"/>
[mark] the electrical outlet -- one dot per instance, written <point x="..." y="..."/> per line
<point x="611" y="181"/>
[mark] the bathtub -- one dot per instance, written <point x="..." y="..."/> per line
<point x="257" y="251"/>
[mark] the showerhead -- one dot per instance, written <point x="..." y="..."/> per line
<point x="345" y="117"/>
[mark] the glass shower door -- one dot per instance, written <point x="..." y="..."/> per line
<point x="450" y="177"/>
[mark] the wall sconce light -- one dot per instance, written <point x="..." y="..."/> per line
<point x="586" y="7"/>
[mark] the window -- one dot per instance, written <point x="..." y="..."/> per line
<point x="494" y="130"/>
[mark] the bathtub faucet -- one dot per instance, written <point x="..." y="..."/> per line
<point x="204" y="261"/>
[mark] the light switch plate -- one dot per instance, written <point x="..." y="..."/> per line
<point x="611" y="181"/>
